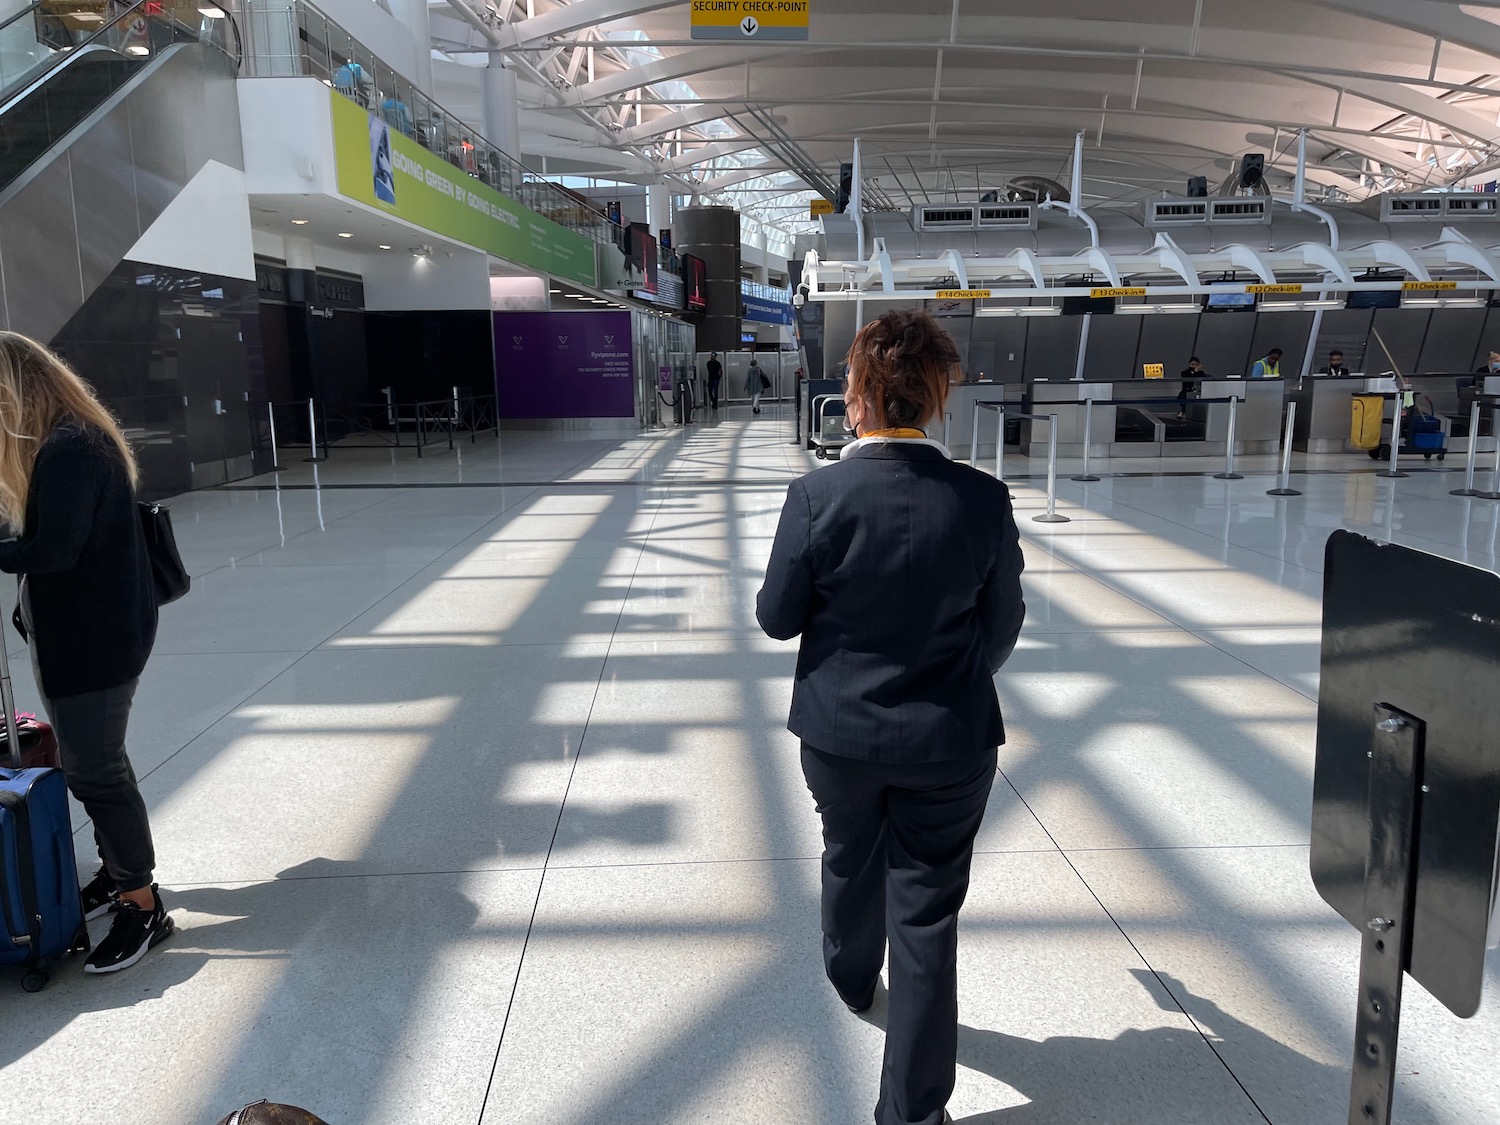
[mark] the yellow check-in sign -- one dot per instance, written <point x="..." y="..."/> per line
<point x="1427" y="286"/>
<point x="1130" y="291"/>
<point x="749" y="19"/>
<point x="962" y="294"/>
<point x="1262" y="290"/>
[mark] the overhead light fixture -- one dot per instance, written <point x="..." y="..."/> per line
<point x="557" y="292"/>
<point x="1146" y="309"/>
<point x="345" y="234"/>
<point x="383" y="246"/>
<point x="137" y="50"/>
<point x="211" y="13"/>
<point x="1300" y="306"/>
<point x="300" y="222"/>
<point x="1018" y="310"/>
<point x="1445" y="303"/>
<point x="86" y="17"/>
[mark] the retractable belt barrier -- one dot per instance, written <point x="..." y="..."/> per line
<point x="1088" y="427"/>
<point x="1051" y="514"/>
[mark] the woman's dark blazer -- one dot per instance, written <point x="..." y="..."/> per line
<point x="901" y="571"/>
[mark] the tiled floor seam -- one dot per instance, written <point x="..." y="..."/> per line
<point x="556" y="827"/>
<point x="1207" y="1039"/>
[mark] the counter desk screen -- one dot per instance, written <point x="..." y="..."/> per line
<point x="1230" y="301"/>
<point x="1374" y="299"/>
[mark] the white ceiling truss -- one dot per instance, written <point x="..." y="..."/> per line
<point x="954" y="97"/>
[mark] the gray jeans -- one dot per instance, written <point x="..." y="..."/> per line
<point x="90" y="732"/>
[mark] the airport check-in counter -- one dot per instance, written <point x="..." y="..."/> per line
<point x="1152" y="428"/>
<point x="1324" y="409"/>
<point x="959" y="420"/>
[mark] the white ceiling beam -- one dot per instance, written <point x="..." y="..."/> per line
<point x="569" y="18"/>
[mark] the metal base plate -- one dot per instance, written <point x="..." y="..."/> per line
<point x="1389" y="473"/>
<point x="1282" y="492"/>
<point x="1229" y="476"/>
<point x="1045" y="518"/>
<point x="1084" y="479"/>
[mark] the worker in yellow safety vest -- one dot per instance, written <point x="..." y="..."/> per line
<point x="1268" y="368"/>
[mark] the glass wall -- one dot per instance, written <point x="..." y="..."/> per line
<point x="660" y="341"/>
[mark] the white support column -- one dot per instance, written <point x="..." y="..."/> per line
<point x="412" y="15"/>
<point x="658" y="207"/>
<point x="502" y="115"/>
<point x="300" y="254"/>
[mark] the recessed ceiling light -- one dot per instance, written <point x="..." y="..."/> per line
<point x="299" y="222"/>
<point x="383" y="246"/>
<point x="138" y="50"/>
<point x="559" y="291"/>
<point x="345" y="234"/>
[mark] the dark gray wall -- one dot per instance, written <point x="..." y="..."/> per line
<point x="713" y="234"/>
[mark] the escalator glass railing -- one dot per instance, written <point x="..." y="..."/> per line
<point x="81" y="52"/>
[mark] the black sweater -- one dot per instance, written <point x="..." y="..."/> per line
<point x="88" y="577"/>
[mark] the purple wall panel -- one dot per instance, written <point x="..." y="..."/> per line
<point x="564" y="365"/>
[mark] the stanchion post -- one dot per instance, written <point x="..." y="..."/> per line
<point x="1229" y="473"/>
<point x="1088" y="439"/>
<point x="947" y="421"/>
<point x="271" y="417"/>
<point x="1471" y="462"/>
<point x="999" y="442"/>
<point x="1284" y="488"/>
<point x="1494" y="489"/>
<point x="974" y="439"/>
<point x="1392" y="470"/>
<point x="1050" y="515"/>
<point x="312" y="431"/>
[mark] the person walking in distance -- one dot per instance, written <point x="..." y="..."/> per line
<point x="715" y="375"/>
<point x="87" y="608"/>
<point x="901" y="572"/>
<point x="755" y="385"/>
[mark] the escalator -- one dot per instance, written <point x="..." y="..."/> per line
<point x="100" y="101"/>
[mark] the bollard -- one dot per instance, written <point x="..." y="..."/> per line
<point x="1393" y="470"/>
<point x="1050" y="515"/>
<point x="999" y="441"/>
<point x="271" y="416"/>
<point x="1229" y="473"/>
<point x="1088" y="439"/>
<point x="1472" y="462"/>
<point x="1285" y="487"/>
<point x="312" y="432"/>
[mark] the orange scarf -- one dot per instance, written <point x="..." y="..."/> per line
<point x="896" y="432"/>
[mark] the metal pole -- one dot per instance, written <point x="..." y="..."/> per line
<point x="1050" y="515"/>
<point x="974" y="439"/>
<point x="1285" y="487"/>
<point x="947" y="420"/>
<point x="1398" y="404"/>
<point x="1229" y="473"/>
<point x="1088" y="439"/>
<point x="999" y="441"/>
<point x="312" y="431"/>
<point x="1494" y="492"/>
<point x="271" y="416"/>
<point x="1472" y="461"/>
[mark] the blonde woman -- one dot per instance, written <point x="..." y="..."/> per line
<point x="88" y="611"/>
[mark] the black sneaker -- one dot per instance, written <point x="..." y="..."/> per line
<point x="132" y="933"/>
<point x="100" y="896"/>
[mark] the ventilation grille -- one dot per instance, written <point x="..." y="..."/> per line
<point x="1439" y="205"/>
<point x="1175" y="212"/>
<point x="1254" y="209"/>
<point x="1183" y="211"/>
<point x="982" y="216"/>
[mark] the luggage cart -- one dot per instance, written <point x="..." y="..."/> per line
<point x="828" y="433"/>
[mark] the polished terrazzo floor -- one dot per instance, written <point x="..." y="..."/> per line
<point x="474" y="804"/>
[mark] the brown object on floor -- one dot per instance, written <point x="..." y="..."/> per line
<point x="271" y="1113"/>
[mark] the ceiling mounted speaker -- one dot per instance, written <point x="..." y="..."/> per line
<point x="1252" y="169"/>
<point x="1197" y="187"/>
<point x="1035" y="189"/>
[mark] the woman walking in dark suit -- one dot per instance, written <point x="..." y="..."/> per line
<point x="88" y="607"/>
<point x="901" y="571"/>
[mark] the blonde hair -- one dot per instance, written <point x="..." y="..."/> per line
<point x="39" y="393"/>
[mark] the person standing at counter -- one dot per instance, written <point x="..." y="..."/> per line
<point x="1335" y="366"/>
<point x="1190" y="376"/>
<point x="1269" y="367"/>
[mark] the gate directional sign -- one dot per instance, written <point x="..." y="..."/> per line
<point x="749" y="19"/>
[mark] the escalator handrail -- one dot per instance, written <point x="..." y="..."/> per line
<point x="30" y="9"/>
<point x="78" y="50"/>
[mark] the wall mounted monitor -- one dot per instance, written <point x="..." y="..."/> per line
<point x="1374" y="299"/>
<point x="1221" y="301"/>
<point x="1082" y="306"/>
<point x="695" y="282"/>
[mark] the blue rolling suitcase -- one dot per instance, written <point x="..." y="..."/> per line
<point x="41" y="915"/>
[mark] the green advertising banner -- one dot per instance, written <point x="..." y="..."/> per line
<point x="380" y="167"/>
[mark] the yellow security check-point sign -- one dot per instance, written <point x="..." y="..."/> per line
<point x="749" y="19"/>
<point x="1154" y="370"/>
<point x="820" y="207"/>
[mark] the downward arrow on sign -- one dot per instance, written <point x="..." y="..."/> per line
<point x="750" y="26"/>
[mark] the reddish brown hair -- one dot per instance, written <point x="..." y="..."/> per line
<point x="900" y="364"/>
